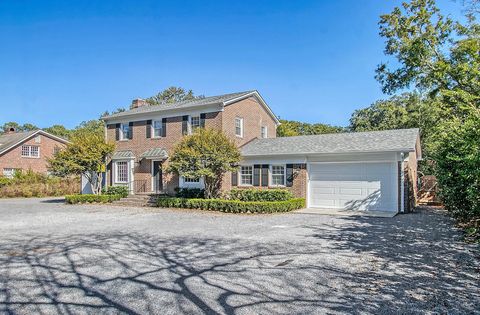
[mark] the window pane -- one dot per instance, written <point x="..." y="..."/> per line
<point x="246" y="175"/>
<point x="191" y="180"/>
<point x="25" y="150"/>
<point x="195" y="122"/>
<point x="122" y="172"/>
<point x="34" y="152"/>
<point x="126" y="131"/>
<point x="238" y="126"/>
<point x="278" y="175"/>
<point x="157" y="128"/>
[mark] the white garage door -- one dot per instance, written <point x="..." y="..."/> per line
<point x="353" y="186"/>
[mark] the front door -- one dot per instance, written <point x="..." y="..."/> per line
<point x="157" y="176"/>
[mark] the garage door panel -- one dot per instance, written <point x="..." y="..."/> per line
<point x="354" y="186"/>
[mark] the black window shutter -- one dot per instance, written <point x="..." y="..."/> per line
<point x="256" y="175"/>
<point x="130" y="124"/>
<point x="265" y="175"/>
<point x="234" y="178"/>
<point x="289" y="175"/>
<point x="164" y="127"/>
<point x="117" y="132"/>
<point x="110" y="173"/>
<point x="148" y="129"/>
<point x="202" y="120"/>
<point x="185" y="125"/>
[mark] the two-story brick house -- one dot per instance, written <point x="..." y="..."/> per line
<point x="368" y="171"/>
<point x="27" y="150"/>
<point x="145" y="135"/>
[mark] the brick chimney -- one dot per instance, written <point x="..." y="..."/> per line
<point x="10" y="129"/>
<point x="138" y="102"/>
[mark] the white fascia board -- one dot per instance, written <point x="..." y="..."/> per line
<point x="259" y="98"/>
<point x="39" y="131"/>
<point x="166" y="113"/>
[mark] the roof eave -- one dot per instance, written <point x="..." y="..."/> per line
<point x="328" y="153"/>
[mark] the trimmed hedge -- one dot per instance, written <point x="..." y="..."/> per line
<point x="89" y="198"/>
<point x="232" y="206"/>
<point x="189" y="193"/>
<point x="260" y="194"/>
<point x="116" y="190"/>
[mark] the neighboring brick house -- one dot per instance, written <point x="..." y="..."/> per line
<point x="29" y="150"/>
<point x="347" y="171"/>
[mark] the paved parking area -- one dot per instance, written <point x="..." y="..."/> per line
<point x="99" y="259"/>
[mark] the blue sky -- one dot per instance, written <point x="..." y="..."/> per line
<point x="68" y="61"/>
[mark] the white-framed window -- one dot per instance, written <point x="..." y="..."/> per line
<point x="157" y="128"/>
<point x="264" y="132"/>
<point x="121" y="172"/>
<point x="30" y="151"/>
<point x="278" y="175"/>
<point x="9" y="172"/>
<point x="194" y="123"/>
<point x="246" y="175"/>
<point x="191" y="180"/>
<point x="239" y="127"/>
<point x="125" y="131"/>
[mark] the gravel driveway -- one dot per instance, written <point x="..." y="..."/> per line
<point x="59" y="259"/>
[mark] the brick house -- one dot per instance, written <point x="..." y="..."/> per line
<point x="27" y="150"/>
<point x="355" y="171"/>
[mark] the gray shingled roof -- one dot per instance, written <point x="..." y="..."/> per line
<point x="185" y="104"/>
<point x="373" y="141"/>
<point x="7" y="140"/>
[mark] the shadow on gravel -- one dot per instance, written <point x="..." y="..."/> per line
<point x="56" y="200"/>
<point x="417" y="269"/>
<point x="424" y="262"/>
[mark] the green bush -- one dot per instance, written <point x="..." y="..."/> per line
<point x="89" y="198"/>
<point x="189" y="192"/>
<point x="457" y="168"/>
<point x="232" y="206"/>
<point x="116" y="190"/>
<point x="260" y="194"/>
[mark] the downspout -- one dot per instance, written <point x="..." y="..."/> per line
<point x="402" y="184"/>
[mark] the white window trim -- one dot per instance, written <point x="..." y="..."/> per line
<point x="270" y="177"/>
<point x="266" y="132"/>
<point x="11" y="171"/>
<point x="152" y="130"/>
<point x="239" y="175"/>
<point x="241" y="127"/>
<point x="29" y="156"/>
<point x="116" y="181"/>
<point x="122" y="135"/>
<point x="184" y="184"/>
<point x="190" y="126"/>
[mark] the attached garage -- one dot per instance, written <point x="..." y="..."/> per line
<point x="359" y="171"/>
<point x="360" y="186"/>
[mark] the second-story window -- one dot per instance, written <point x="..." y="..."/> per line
<point x="239" y="127"/>
<point x="264" y="132"/>
<point x="126" y="132"/>
<point x="194" y="122"/>
<point x="157" y="129"/>
<point x="30" y="151"/>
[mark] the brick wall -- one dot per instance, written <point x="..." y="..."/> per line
<point x="298" y="188"/>
<point x="250" y="110"/>
<point x="254" y="116"/>
<point x="14" y="159"/>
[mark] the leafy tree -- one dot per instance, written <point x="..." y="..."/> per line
<point x="94" y="126"/>
<point x="289" y="128"/>
<point x="208" y="153"/>
<point x="17" y="126"/>
<point x="457" y="156"/>
<point x="85" y="155"/>
<point x="172" y="94"/>
<point x="59" y="131"/>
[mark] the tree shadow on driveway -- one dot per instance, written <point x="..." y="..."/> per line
<point x="368" y="265"/>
